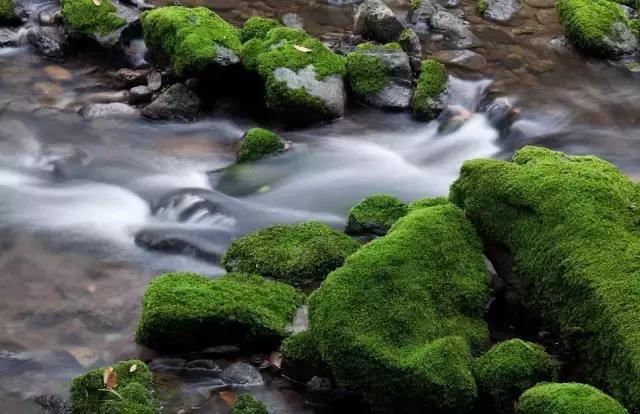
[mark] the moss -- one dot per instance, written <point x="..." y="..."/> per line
<point x="572" y="225"/>
<point x="295" y="253"/>
<point x="7" y="14"/>
<point x="483" y="5"/>
<point x="85" y="17"/>
<point x="257" y="27"/>
<point x="297" y="103"/>
<point x="185" y="311"/>
<point x="428" y="202"/>
<point x="415" y="4"/>
<point x="405" y="36"/>
<point x="300" y="347"/>
<point x="188" y="36"/>
<point x="432" y="83"/>
<point x="246" y="404"/>
<point x="510" y="368"/>
<point x="398" y="322"/>
<point x="366" y="74"/>
<point x="568" y="398"/>
<point x="375" y="214"/>
<point x="259" y="143"/>
<point x="132" y="394"/>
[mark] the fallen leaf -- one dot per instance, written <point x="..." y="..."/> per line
<point x="302" y="48"/>
<point x="133" y="368"/>
<point x="276" y="359"/>
<point x="97" y="2"/>
<point x="229" y="397"/>
<point x="110" y="378"/>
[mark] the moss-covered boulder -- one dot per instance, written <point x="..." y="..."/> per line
<point x="7" y="13"/>
<point x="247" y="404"/>
<point x="380" y="75"/>
<point x="192" y="39"/>
<point x="129" y="392"/>
<point x="302" y="77"/>
<point x="571" y="224"/>
<point x="295" y="253"/>
<point x="398" y="322"/>
<point x="257" y="27"/>
<point x="598" y="27"/>
<point x="185" y="311"/>
<point x="510" y="368"/>
<point x="87" y="18"/>
<point x="258" y="143"/>
<point x="568" y="398"/>
<point x="375" y="215"/>
<point x="300" y="357"/>
<point x="428" y="202"/>
<point x="430" y="96"/>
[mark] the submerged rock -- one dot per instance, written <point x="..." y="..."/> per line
<point x="115" y="110"/>
<point x="465" y="59"/>
<point x="499" y="10"/>
<point x="375" y="215"/>
<point x="431" y="94"/>
<point x="241" y="374"/>
<point x="258" y="143"/>
<point x="374" y="20"/>
<point x="178" y="102"/>
<point x="567" y="398"/>
<point x="8" y="38"/>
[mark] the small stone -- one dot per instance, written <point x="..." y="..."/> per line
<point x="465" y="59"/>
<point x="456" y="32"/>
<point x="501" y="10"/>
<point x="154" y="81"/>
<point x="57" y="73"/>
<point x="128" y="78"/>
<point x="292" y="20"/>
<point x="140" y="94"/>
<point x="220" y="351"/>
<point x="203" y="365"/>
<point x="115" y="110"/>
<point x="177" y="102"/>
<point x="374" y="20"/>
<point x="242" y="374"/>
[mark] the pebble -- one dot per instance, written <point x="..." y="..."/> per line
<point x="58" y="73"/>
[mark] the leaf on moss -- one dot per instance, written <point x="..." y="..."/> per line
<point x="133" y="368"/>
<point x="302" y="48"/>
<point x="97" y="2"/>
<point x="110" y="378"/>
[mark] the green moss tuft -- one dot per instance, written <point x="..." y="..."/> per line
<point x="246" y="404"/>
<point x="257" y="27"/>
<point x="365" y="72"/>
<point x="405" y="36"/>
<point x="188" y="37"/>
<point x="428" y="202"/>
<point x="572" y="225"/>
<point x="185" y="311"/>
<point x="433" y="81"/>
<point x="375" y="215"/>
<point x="259" y="143"/>
<point x="397" y="323"/>
<point x="568" y="398"/>
<point x="132" y="395"/>
<point x="483" y="5"/>
<point x="7" y="14"/>
<point x="415" y="4"/>
<point x="295" y="253"/>
<point x="85" y="17"/>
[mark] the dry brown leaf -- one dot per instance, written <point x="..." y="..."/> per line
<point x="133" y="368"/>
<point x="110" y="378"/>
<point x="97" y="2"/>
<point x="229" y="397"/>
<point x="302" y="48"/>
<point x="276" y="359"/>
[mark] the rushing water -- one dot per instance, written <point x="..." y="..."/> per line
<point x="75" y="194"/>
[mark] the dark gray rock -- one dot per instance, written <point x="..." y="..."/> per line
<point x="128" y="78"/>
<point x="216" y="352"/>
<point x="621" y="40"/>
<point x="52" y="404"/>
<point x="410" y="43"/>
<point x="242" y="374"/>
<point x="140" y="94"/>
<point x="455" y="30"/>
<point x="116" y="110"/>
<point x="8" y="38"/>
<point x="420" y="14"/>
<point x="501" y="10"/>
<point x="629" y="11"/>
<point x="49" y="42"/>
<point x="319" y="390"/>
<point x="177" y="102"/>
<point x="292" y="20"/>
<point x="225" y="57"/>
<point x="374" y="20"/>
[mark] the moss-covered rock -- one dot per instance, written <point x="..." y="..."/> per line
<point x="259" y="143"/>
<point x="428" y="202"/>
<point x="192" y="39"/>
<point x="375" y="215"/>
<point x="7" y="14"/>
<point x="185" y="311"/>
<point x="87" y="18"/>
<point x="572" y="225"/>
<point x="430" y="96"/>
<point x="257" y="27"/>
<point x="300" y="357"/>
<point x="131" y="395"/>
<point x="398" y="322"/>
<point x="568" y="398"/>
<point x="246" y="404"/>
<point x="598" y="27"/>
<point x="510" y="368"/>
<point x="295" y="253"/>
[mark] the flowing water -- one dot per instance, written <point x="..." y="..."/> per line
<point x="75" y="195"/>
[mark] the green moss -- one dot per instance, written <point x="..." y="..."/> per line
<point x="259" y="143"/>
<point x="185" y="311"/>
<point x="7" y="14"/>
<point x="569" y="398"/>
<point x="188" y="37"/>
<point x="415" y="4"/>
<point x="297" y="103"/>
<point x="572" y="225"/>
<point x="510" y="368"/>
<point x="246" y="404"/>
<point x="397" y="323"/>
<point x="428" y="202"/>
<point x="295" y="253"/>
<point x="405" y="36"/>
<point x="300" y="347"/>
<point x="365" y="72"/>
<point x="432" y="82"/>
<point x="257" y="27"/>
<point x="375" y="214"/>
<point x="483" y="5"/>
<point x="132" y="395"/>
<point x="85" y="17"/>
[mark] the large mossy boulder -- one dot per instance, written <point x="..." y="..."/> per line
<point x="90" y="18"/>
<point x="572" y="225"/>
<point x="430" y="96"/>
<point x="186" y="312"/>
<point x="375" y="215"/>
<point x="247" y="404"/>
<point x="303" y="78"/>
<point x="294" y="253"/>
<point x="124" y="388"/>
<point x="258" y="143"/>
<point x="510" y="368"/>
<point x="598" y="27"/>
<point x="193" y="40"/>
<point x="399" y="321"/>
<point x="7" y="13"/>
<point x="567" y="398"/>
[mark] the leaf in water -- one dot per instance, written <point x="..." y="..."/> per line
<point x="276" y="359"/>
<point x="97" y="2"/>
<point x="302" y="48"/>
<point x="229" y="397"/>
<point x="110" y="378"/>
<point x="133" y="368"/>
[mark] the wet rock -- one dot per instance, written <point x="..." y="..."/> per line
<point x="501" y="113"/>
<point x="13" y="363"/>
<point x="512" y="61"/>
<point x="343" y="45"/>
<point x="8" y="38"/>
<point x="374" y="20"/>
<point x="453" y="117"/>
<point x="465" y="59"/>
<point x="175" y="241"/>
<point x="541" y="4"/>
<point x="242" y="374"/>
<point x="140" y="94"/>
<point x="129" y="78"/>
<point x="52" y="404"/>
<point x="50" y="17"/>
<point x="319" y="390"/>
<point x="217" y="352"/>
<point x="500" y="10"/>
<point x="292" y="20"/>
<point x="178" y="102"/>
<point x="108" y="96"/>
<point x="206" y="365"/>
<point x="154" y="81"/>
<point x="540" y="66"/>
<point x="420" y="14"/>
<point x="167" y="364"/>
<point x="49" y="42"/>
<point x="114" y="110"/>
<point x="455" y="31"/>
<point x="450" y="4"/>
<point x="410" y="43"/>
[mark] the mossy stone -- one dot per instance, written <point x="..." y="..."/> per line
<point x="375" y="215"/>
<point x="87" y="18"/>
<point x="7" y="14"/>
<point x="365" y="73"/>
<point x="427" y="102"/>
<point x="428" y="202"/>
<point x="259" y="143"/>
<point x="257" y="27"/>
<point x="567" y="398"/>
<point x="247" y="404"/>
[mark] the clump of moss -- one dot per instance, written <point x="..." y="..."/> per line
<point x="85" y="17"/>
<point x="189" y="37"/>
<point x="185" y="311"/>
<point x="295" y="253"/>
<point x="428" y="202"/>
<point x="567" y="398"/>
<point x="300" y="358"/>
<point x="247" y="404"/>
<point x="131" y="395"/>
<point x="375" y="215"/>
<point x="259" y="143"/>
<point x="7" y="14"/>
<point x="398" y="322"/>
<point x="257" y="27"/>
<point x="415" y="4"/>
<point x="510" y="368"/>
<point x="483" y="5"/>
<point x="432" y="83"/>
<point x="366" y="73"/>
<point x="572" y="225"/>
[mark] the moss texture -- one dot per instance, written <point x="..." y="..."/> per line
<point x="131" y="395"/>
<point x="483" y="5"/>
<point x="257" y="27"/>
<point x="295" y="253"/>
<point x="569" y="398"/>
<point x="375" y="214"/>
<point x="398" y="322"/>
<point x="184" y="311"/>
<point x="510" y="368"/>
<point x="259" y="143"/>
<point x="300" y="347"/>
<point x="365" y="73"/>
<point x="432" y="82"/>
<point x="428" y="202"/>
<point x="572" y="225"/>
<point x="85" y="17"/>
<point x="7" y="14"/>
<point x="246" y="404"/>
<point x="188" y="36"/>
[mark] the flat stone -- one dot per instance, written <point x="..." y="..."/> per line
<point x="465" y="59"/>
<point x="115" y="110"/>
